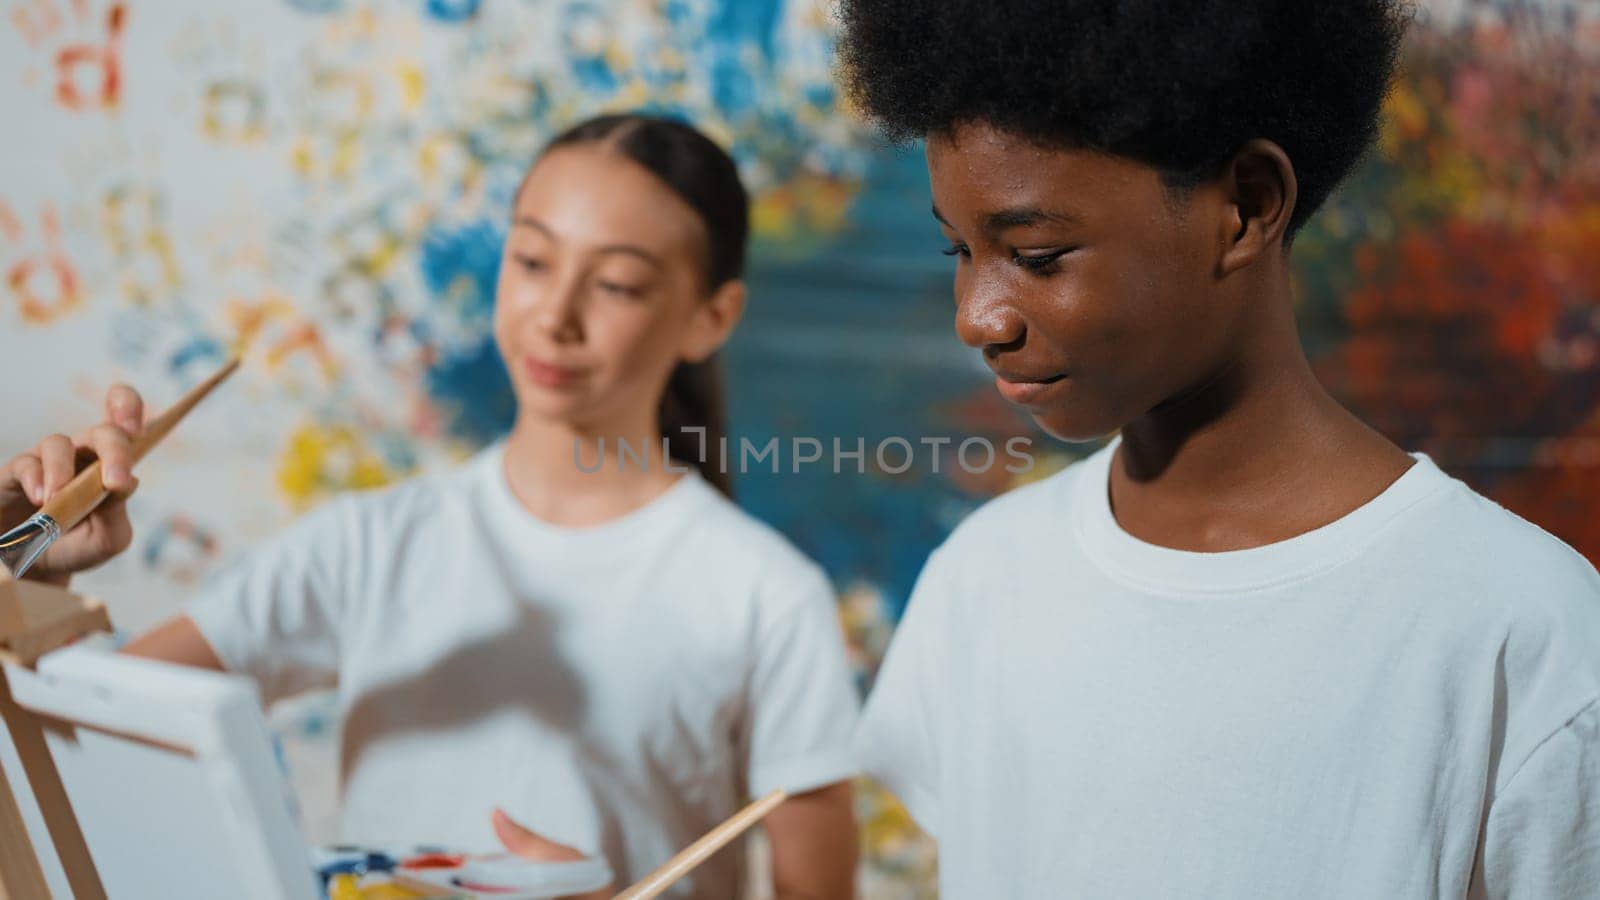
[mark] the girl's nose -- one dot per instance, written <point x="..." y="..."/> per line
<point x="557" y="313"/>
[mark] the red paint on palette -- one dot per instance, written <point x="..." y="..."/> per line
<point x="435" y="861"/>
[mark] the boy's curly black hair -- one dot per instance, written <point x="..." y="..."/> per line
<point x="1180" y="85"/>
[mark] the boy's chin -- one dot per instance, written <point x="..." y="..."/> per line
<point x="1073" y="426"/>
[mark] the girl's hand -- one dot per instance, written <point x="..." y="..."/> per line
<point x="34" y="476"/>
<point x="528" y="845"/>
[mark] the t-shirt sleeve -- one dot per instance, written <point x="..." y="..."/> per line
<point x="276" y="614"/>
<point x="802" y="705"/>
<point x="896" y="742"/>
<point x="1542" y="836"/>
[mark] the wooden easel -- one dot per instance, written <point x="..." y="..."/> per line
<point x="36" y="618"/>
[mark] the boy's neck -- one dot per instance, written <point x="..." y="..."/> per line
<point x="1258" y="454"/>
<point x="545" y="465"/>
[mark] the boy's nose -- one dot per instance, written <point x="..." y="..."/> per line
<point x="986" y="321"/>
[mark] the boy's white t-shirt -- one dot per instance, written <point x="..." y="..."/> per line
<point x="1399" y="704"/>
<point x="619" y="688"/>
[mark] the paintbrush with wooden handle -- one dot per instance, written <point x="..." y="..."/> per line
<point x="22" y="545"/>
<point x="699" y="851"/>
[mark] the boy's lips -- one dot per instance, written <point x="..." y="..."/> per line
<point x="549" y="375"/>
<point x="1026" y="391"/>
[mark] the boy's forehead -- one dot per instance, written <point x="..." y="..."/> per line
<point x="981" y="150"/>
<point x="979" y="169"/>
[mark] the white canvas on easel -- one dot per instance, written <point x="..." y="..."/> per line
<point x="159" y="781"/>
<point x="171" y="774"/>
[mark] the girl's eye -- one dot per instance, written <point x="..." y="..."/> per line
<point x="956" y="250"/>
<point x="1040" y="262"/>
<point x="529" y="263"/>
<point x="623" y="290"/>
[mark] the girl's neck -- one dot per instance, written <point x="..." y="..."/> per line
<point x="558" y="473"/>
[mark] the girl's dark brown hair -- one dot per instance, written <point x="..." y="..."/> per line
<point x="701" y="173"/>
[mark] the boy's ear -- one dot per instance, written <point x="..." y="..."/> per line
<point x="1261" y="191"/>
<point x="714" y="319"/>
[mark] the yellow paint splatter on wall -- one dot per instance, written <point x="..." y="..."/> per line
<point x="320" y="461"/>
<point x="808" y="204"/>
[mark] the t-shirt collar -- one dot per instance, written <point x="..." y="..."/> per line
<point x="1164" y="570"/>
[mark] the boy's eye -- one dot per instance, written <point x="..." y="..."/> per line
<point x="1039" y="262"/>
<point x="957" y="250"/>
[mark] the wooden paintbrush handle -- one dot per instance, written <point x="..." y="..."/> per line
<point x="83" y="493"/>
<point x="701" y="850"/>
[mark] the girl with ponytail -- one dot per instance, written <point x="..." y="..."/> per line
<point x="614" y="655"/>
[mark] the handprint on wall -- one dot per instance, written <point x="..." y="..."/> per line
<point x="39" y="275"/>
<point x="83" y="45"/>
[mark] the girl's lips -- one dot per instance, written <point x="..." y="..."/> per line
<point x="549" y="376"/>
<point x="1028" y="393"/>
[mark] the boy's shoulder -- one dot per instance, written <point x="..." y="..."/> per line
<point x="1451" y="533"/>
<point x="1047" y="498"/>
<point x="1503" y="563"/>
<point x="1027" y="517"/>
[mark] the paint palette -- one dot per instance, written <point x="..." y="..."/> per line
<point x="498" y="876"/>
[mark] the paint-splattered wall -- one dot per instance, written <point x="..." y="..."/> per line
<point x="330" y="179"/>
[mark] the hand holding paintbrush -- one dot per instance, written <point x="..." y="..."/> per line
<point x="48" y="478"/>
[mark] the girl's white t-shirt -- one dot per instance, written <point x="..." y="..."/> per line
<point x="1404" y="703"/>
<point x="620" y="688"/>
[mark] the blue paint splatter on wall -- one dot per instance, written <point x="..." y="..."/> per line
<point x="855" y="342"/>
<point x="452" y="10"/>
<point x="473" y="391"/>
<point x="317" y="7"/>
<point x="747" y="22"/>
<point x="732" y="30"/>
<point x="460" y="266"/>
<point x="581" y="25"/>
<point x="195" y="359"/>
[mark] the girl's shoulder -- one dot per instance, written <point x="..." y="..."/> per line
<point x="747" y="546"/>
<point x="427" y="498"/>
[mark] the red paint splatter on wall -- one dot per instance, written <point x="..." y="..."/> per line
<point x="77" y="64"/>
<point x="85" y="49"/>
<point x="41" y="278"/>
